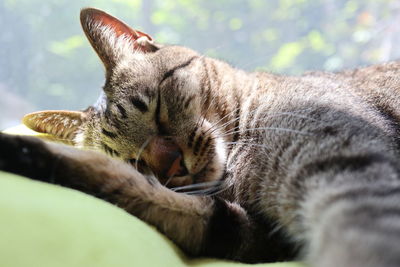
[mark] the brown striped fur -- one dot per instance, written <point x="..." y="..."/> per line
<point x="276" y="166"/>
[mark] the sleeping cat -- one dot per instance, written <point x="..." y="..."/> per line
<point x="253" y="167"/>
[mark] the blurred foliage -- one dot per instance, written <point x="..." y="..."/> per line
<point x="46" y="62"/>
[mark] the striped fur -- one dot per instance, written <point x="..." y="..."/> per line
<point x="278" y="166"/>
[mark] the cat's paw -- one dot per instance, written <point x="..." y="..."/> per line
<point x="23" y="155"/>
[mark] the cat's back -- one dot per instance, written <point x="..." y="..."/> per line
<point x="372" y="92"/>
<point x="308" y="118"/>
<point x="379" y="85"/>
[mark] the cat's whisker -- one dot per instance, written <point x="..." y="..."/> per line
<point x="215" y="124"/>
<point x="251" y="62"/>
<point x="292" y="115"/>
<point x="219" y="47"/>
<point x="220" y="191"/>
<point x="201" y="118"/>
<point x="200" y="192"/>
<point x="231" y="131"/>
<point x="197" y="185"/>
<point x="244" y="143"/>
<point x="141" y="149"/>
<point x="226" y="124"/>
<point x="284" y="130"/>
<point x="267" y="129"/>
<point x="216" y="127"/>
<point x="210" y="191"/>
<point x="168" y="180"/>
<point x="152" y="178"/>
<point x="203" y="102"/>
<point x="208" y="108"/>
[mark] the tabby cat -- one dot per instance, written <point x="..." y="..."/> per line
<point x="253" y="167"/>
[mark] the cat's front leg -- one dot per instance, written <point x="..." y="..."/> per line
<point x="26" y="156"/>
<point x="200" y="225"/>
<point x="112" y="180"/>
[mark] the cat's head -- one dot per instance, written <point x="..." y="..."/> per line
<point x="152" y="111"/>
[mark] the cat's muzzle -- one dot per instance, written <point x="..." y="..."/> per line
<point x="165" y="158"/>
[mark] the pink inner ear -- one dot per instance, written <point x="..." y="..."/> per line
<point x="118" y="26"/>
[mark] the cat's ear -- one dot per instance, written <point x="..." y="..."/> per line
<point x="111" y="38"/>
<point x="60" y="124"/>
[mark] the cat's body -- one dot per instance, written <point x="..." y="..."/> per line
<point x="309" y="164"/>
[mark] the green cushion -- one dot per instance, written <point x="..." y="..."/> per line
<point x="50" y="226"/>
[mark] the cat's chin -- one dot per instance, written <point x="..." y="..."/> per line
<point x="210" y="173"/>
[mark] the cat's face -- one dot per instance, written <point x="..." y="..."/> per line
<point x="152" y="116"/>
<point x="152" y="113"/>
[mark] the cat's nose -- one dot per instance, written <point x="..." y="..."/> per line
<point x="165" y="158"/>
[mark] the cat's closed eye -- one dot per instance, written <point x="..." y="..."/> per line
<point x="139" y="104"/>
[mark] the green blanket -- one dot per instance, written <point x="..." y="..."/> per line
<point x="45" y="225"/>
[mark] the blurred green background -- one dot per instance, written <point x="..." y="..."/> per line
<point x="46" y="62"/>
